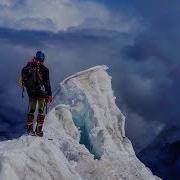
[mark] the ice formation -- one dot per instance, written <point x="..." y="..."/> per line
<point x="84" y="137"/>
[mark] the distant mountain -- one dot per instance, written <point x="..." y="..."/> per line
<point x="163" y="155"/>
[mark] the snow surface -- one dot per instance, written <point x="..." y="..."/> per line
<point x="84" y="137"/>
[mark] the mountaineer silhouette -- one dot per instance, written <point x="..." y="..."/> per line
<point x="35" y="79"/>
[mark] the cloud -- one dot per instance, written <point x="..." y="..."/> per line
<point x="143" y="64"/>
<point x="59" y="15"/>
<point x="138" y="128"/>
<point x="136" y="85"/>
<point x="140" y="86"/>
<point x="7" y="3"/>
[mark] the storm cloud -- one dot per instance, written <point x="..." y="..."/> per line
<point x="143" y="61"/>
<point x="58" y="15"/>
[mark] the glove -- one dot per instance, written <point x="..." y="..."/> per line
<point x="49" y="99"/>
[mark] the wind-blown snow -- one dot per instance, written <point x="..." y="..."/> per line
<point x="84" y="137"/>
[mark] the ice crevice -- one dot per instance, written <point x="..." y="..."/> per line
<point x="91" y="98"/>
<point x="82" y="119"/>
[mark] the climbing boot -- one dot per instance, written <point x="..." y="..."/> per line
<point x="39" y="126"/>
<point x="30" y="118"/>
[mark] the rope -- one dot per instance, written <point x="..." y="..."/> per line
<point x="56" y="91"/>
<point x="54" y="94"/>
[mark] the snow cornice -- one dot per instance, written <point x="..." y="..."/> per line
<point x="80" y="73"/>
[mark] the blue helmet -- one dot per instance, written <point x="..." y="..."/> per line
<point x="40" y="56"/>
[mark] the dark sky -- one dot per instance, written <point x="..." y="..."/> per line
<point x="138" y="40"/>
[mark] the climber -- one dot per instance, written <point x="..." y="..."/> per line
<point x="35" y="79"/>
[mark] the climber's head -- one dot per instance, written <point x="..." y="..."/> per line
<point x="40" y="56"/>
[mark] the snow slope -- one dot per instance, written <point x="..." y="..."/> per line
<point x="84" y="137"/>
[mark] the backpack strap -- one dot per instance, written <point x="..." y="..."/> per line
<point x="23" y="89"/>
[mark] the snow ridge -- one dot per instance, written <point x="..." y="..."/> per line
<point x="84" y="137"/>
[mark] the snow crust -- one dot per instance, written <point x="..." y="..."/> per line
<point x="84" y="137"/>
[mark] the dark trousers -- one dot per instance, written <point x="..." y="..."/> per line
<point x="33" y="102"/>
